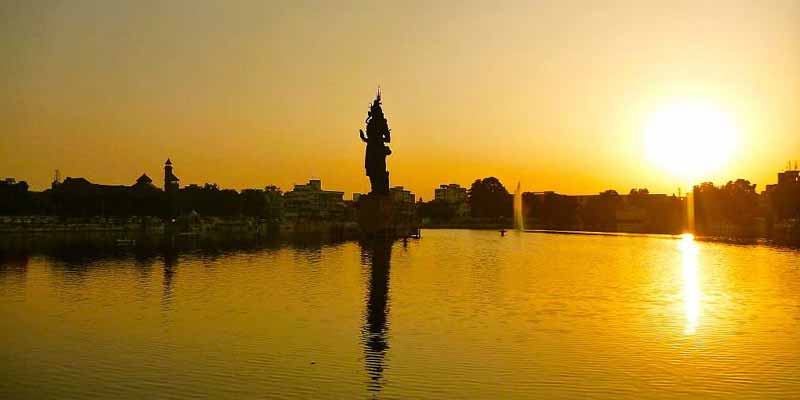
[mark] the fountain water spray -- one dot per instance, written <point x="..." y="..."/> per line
<point x="519" y="223"/>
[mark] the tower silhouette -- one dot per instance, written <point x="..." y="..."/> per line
<point x="170" y="180"/>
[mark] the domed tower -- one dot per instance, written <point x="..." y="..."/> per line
<point x="170" y="180"/>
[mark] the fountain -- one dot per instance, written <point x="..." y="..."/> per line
<point x="519" y="222"/>
<point x="690" y="211"/>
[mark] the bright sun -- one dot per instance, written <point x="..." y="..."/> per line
<point x="690" y="139"/>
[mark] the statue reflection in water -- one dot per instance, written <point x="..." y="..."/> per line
<point x="377" y="256"/>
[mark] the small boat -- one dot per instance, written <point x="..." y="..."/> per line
<point x="126" y="242"/>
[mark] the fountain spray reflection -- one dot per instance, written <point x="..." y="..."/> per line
<point x="692" y="295"/>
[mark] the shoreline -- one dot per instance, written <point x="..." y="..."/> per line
<point x="673" y="236"/>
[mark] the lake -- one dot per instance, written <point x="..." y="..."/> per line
<point x="457" y="314"/>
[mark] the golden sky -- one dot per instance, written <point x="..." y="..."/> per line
<point x="554" y="94"/>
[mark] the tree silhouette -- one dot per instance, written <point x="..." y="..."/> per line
<point x="437" y="211"/>
<point x="729" y="210"/>
<point x="488" y="198"/>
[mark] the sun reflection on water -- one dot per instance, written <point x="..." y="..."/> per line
<point x="691" y="283"/>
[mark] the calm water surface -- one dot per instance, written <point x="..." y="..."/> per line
<point x="458" y="314"/>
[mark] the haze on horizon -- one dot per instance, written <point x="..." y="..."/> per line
<point x="556" y="94"/>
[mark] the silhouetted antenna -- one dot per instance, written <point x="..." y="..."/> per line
<point x="57" y="176"/>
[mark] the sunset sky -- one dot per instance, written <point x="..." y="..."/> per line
<point x="555" y="94"/>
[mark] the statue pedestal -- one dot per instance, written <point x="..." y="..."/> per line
<point x="376" y="215"/>
<point x="379" y="216"/>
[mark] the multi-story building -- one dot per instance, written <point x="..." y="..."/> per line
<point x="785" y="179"/>
<point x="404" y="203"/>
<point x="451" y="193"/>
<point x="400" y="195"/>
<point x="455" y="196"/>
<point x="310" y="201"/>
<point x="782" y="200"/>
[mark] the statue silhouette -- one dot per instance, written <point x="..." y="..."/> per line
<point x="377" y="134"/>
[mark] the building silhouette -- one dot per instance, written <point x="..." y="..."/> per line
<point x="455" y="197"/>
<point x="782" y="200"/>
<point x="170" y="180"/>
<point x="309" y="201"/>
<point x="144" y="182"/>
<point x="80" y="197"/>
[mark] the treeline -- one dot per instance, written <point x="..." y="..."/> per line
<point x="15" y="199"/>
<point x="489" y="202"/>
<point x="730" y="210"/>
<point x="83" y="199"/>
<point x="639" y="211"/>
<point x="734" y="209"/>
<point x="211" y="200"/>
<point x="737" y="210"/>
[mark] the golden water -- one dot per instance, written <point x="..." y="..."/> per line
<point x="455" y="315"/>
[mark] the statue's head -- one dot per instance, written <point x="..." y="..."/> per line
<point x="375" y="119"/>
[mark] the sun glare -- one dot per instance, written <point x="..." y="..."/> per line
<point x="692" y="294"/>
<point x="690" y="139"/>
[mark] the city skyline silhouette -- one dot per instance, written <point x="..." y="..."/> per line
<point x="526" y="199"/>
<point x="558" y="96"/>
